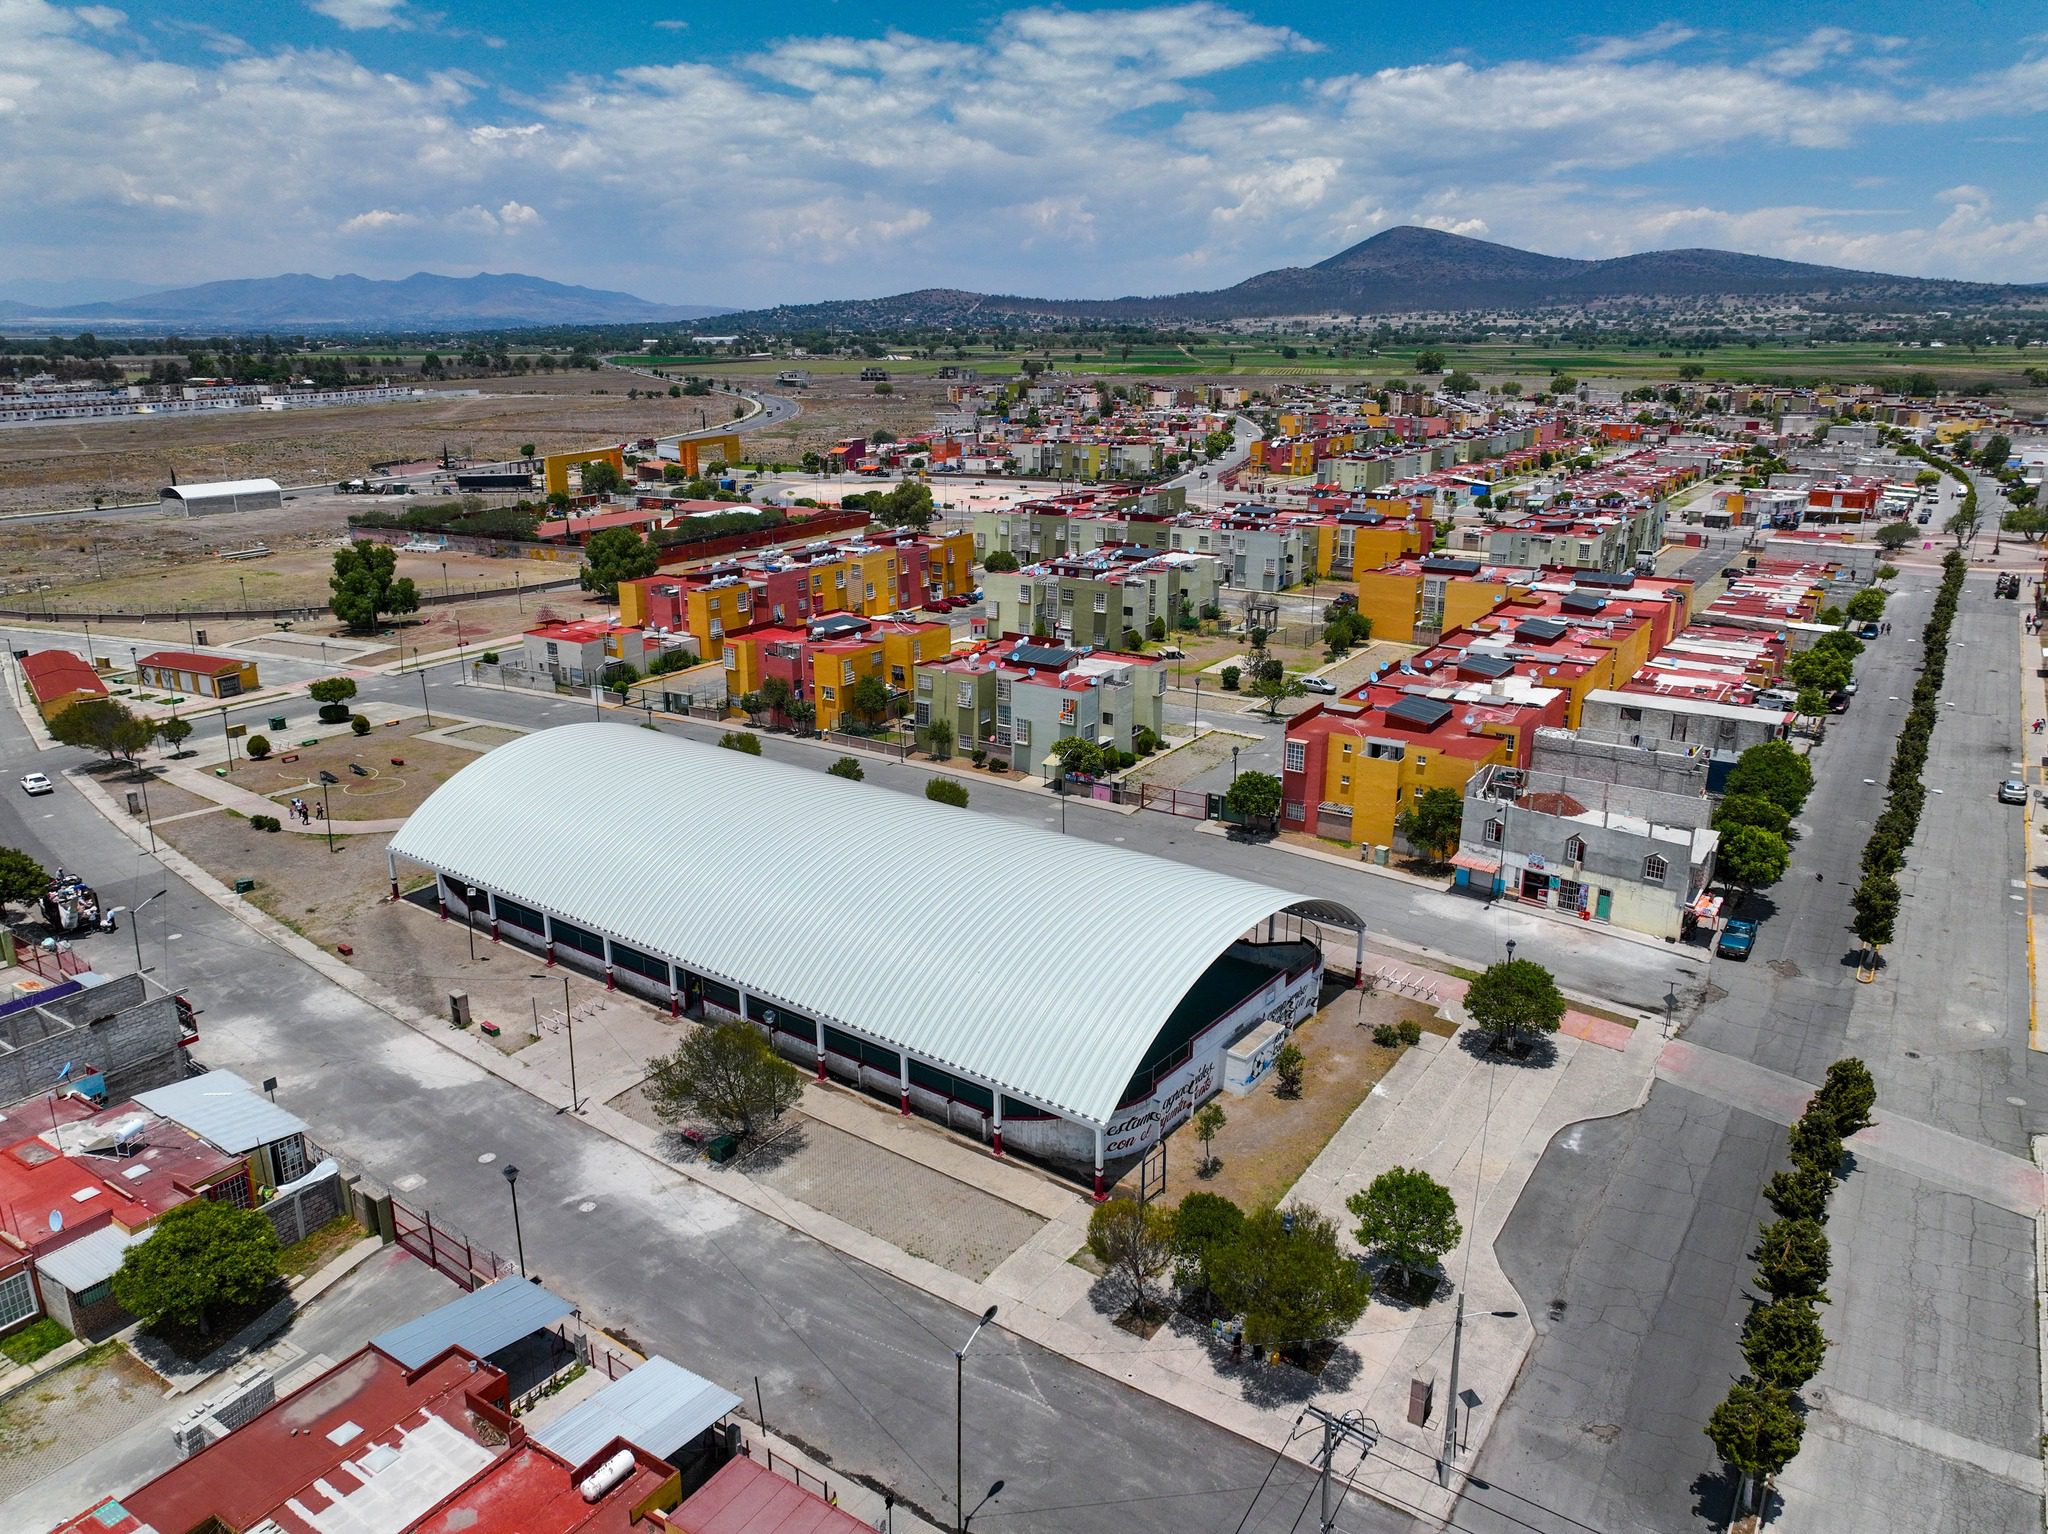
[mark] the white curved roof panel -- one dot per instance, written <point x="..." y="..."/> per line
<point x="877" y="911"/>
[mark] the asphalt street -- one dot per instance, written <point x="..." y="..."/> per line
<point x="851" y="1362"/>
<point x="1631" y="1243"/>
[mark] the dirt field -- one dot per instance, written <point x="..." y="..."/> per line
<point x="1269" y="1140"/>
<point x="68" y="463"/>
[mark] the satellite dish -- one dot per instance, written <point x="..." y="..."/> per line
<point x="56" y="1219"/>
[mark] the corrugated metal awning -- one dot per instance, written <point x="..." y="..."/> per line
<point x="490" y="1318"/>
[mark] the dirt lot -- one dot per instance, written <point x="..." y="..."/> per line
<point x="68" y="463"/>
<point x="1269" y="1140"/>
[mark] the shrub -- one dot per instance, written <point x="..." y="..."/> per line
<point x="333" y="713"/>
<point x="997" y="765"/>
<point x="740" y="740"/>
<point x="946" y="791"/>
<point x="1410" y="1030"/>
<point x="847" y="767"/>
<point x="359" y="724"/>
<point x="1288" y="1067"/>
<point x="258" y="747"/>
<point x="489" y="657"/>
<point x="1125" y="760"/>
<point x="265" y="823"/>
<point x="978" y="756"/>
<point x="1143" y="741"/>
<point x="1386" y="1035"/>
<point x="1232" y="675"/>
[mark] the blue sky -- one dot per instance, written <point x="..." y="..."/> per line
<point x="813" y="149"/>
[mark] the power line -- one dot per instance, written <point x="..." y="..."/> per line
<point x="1282" y="1449"/>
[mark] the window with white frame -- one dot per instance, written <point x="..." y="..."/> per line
<point x="1655" y="868"/>
<point x="1297" y="756"/>
<point x="966" y="695"/>
<point x="1494" y="831"/>
<point x="17" y="1298"/>
<point x="1575" y="850"/>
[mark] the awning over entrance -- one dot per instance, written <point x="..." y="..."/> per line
<point x="1706" y="907"/>
<point x="1472" y="862"/>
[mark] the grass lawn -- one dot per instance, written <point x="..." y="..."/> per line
<point x="320" y="1248"/>
<point x="34" y="1340"/>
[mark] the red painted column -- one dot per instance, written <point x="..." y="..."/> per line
<point x="610" y="982"/>
<point x="551" y="953"/>
<point x="1100" y="1195"/>
<point x="442" y="901"/>
<point x="997" y="1141"/>
<point x="906" y="1102"/>
<point x="675" y="1005"/>
<point x="494" y="929"/>
<point x="394" y="889"/>
<point x="821" y="1065"/>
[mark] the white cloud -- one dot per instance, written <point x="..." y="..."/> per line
<point x="101" y="18"/>
<point x="362" y="15"/>
<point x="672" y="24"/>
<point x="377" y="220"/>
<point x="1058" y="152"/>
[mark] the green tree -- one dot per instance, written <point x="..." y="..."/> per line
<point x="1001" y="562"/>
<point x="869" y="699"/>
<point x="939" y="739"/>
<point x="1432" y="821"/>
<point x="726" y="1076"/>
<point x="1406" y="1216"/>
<point x="1429" y="361"/>
<point x="1083" y="758"/>
<point x="1135" y="1242"/>
<point x="366" y="585"/>
<point x="1286" y="1276"/>
<point x="1792" y="1259"/>
<point x="1203" y="1224"/>
<point x="1799" y="1193"/>
<point x="1460" y="382"/>
<point x="1515" y="998"/>
<point x="1815" y="1145"/>
<point x="1751" y="810"/>
<point x="1996" y="450"/>
<point x="1846" y="1096"/>
<point x="1208" y="1123"/>
<point x="102" y="724"/>
<point x="1875" y="903"/>
<point x="200" y="1258"/>
<point x="909" y="505"/>
<point x="1867" y="606"/>
<point x="1894" y="535"/>
<point x="1756" y="1430"/>
<point x="617" y="554"/>
<point x="1254" y="798"/>
<point x="332" y="694"/>
<point x="22" y="878"/>
<point x="173" y="732"/>
<point x="258" y="747"/>
<point x="1289" y="1066"/>
<point x="1751" y="858"/>
<point x="847" y="767"/>
<point x="1772" y="770"/>
<point x="1783" y="1344"/>
<point x="601" y="477"/>
<point x="741" y="741"/>
<point x="526" y="450"/>
<point x="946" y="791"/>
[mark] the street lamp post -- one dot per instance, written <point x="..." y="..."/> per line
<point x="960" y="1417"/>
<point x="327" y="780"/>
<point x="518" y="1237"/>
<point x="135" y="926"/>
<point x="424" y="702"/>
<point x="1511" y="950"/>
<point x="469" y="917"/>
<point x="1233" y="763"/>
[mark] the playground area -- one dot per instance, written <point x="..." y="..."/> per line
<point x="384" y="775"/>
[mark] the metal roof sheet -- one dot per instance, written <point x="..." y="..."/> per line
<point x="659" y="1407"/>
<point x="224" y="487"/>
<point x="481" y="1322"/>
<point x="866" y="907"/>
<point x="90" y="1259"/>
<point x="1424" y="713"/>
<point x="223" y="1108"/>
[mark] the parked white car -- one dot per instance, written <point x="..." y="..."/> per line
<point x="36" y="783"/>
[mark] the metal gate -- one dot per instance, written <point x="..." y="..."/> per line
<point x="445" y="1250"/>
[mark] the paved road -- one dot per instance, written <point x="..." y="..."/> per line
<point x="1631" y="1243"/>
<point x="850" y="1361"/>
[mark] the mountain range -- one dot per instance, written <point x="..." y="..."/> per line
<point x="1408" y="270"/>
<point x="424" y="300"/>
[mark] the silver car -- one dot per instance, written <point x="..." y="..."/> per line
<point x="2012" y="791"/>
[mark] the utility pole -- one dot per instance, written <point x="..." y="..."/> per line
<point x="1353" y="1426"/>
<point x="1450" y="1454"/>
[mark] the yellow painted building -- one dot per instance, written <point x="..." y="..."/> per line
<point x="1374" y="771"/>
<point x="1410" y="605"/>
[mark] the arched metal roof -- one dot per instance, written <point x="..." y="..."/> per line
<point x="1042" y="964"/>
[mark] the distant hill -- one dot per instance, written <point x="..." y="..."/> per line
<point x="424" y="300"/>
<point x="1409" y="270"/>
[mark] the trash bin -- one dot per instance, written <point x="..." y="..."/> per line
<point x="278" y="721"/>
<point x="243" y="886"/>
<point x="722" y="1148"/>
